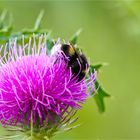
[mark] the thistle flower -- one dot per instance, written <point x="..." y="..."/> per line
<point x="36" y="86"/>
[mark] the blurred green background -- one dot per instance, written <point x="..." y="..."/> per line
<point x="111" y="33"/>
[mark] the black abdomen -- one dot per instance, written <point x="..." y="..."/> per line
<point x="77" y="62"/>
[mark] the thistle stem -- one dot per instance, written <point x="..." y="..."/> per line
<point x="31" y="125"/>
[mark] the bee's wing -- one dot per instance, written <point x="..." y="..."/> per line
<point x="56" y="48"/>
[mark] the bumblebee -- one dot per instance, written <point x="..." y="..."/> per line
<point x="77" y="61"/>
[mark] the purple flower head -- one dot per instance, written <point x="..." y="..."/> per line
<point x="35" y="84"/>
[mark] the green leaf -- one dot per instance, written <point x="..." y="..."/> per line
<point x="38" y="20"/>
<point x="99" y="97"/>
<point x="36" y="28"/>
<point x="97" y="66"/>
<point x="50" y="45"/>
<point x="2" y="18"/>
<point x="74" y="38"/>
<point x="101" y="93"/>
